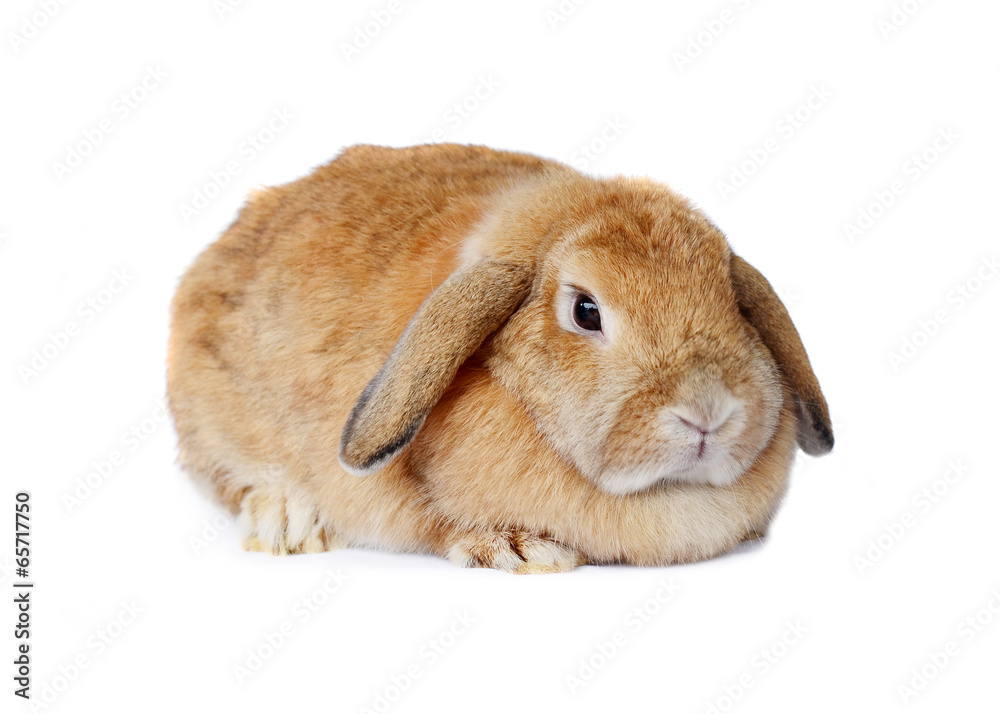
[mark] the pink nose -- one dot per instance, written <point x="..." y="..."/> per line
<point x="701" y="425"/>
<point x="702" y="406"/>
<point x="706" y="418"/>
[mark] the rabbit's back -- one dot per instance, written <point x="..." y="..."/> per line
<point x="279" y="324"/>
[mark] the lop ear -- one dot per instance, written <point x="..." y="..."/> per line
<point x="449" y="326"/>
<point x="761" y="307"/>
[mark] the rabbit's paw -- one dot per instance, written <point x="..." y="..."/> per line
<point x="281" y="523"/>
<point x="513" y="551"/>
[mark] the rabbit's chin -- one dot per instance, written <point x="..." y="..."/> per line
<point x="722" y="470"/>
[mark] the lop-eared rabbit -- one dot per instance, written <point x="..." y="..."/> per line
<point x="491" y="357"/>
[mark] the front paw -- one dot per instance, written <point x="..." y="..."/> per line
<point x="513" y="551"/>
<point x="279" y="521"/>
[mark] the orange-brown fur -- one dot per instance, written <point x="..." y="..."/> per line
<point x="280" y="324"/>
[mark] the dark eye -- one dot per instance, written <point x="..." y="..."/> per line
<point x="585" y="313"/>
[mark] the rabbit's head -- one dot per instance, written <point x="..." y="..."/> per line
<point x="617" y="315"/>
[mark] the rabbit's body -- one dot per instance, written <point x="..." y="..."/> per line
<point x="280" y="325"/>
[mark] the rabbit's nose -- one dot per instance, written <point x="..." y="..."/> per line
<point x="702" y="407"/>
<point x="704" y="421"/>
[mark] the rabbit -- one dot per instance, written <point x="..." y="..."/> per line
<point x="490" y="357"/>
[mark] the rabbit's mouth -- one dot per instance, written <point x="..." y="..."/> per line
<point x="703" y="461"/>
<point x="710" y="465"/>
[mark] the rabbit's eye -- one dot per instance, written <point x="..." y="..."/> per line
<point x="585" y="313"/>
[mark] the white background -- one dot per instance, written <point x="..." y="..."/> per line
<point x="548" y="84"/>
